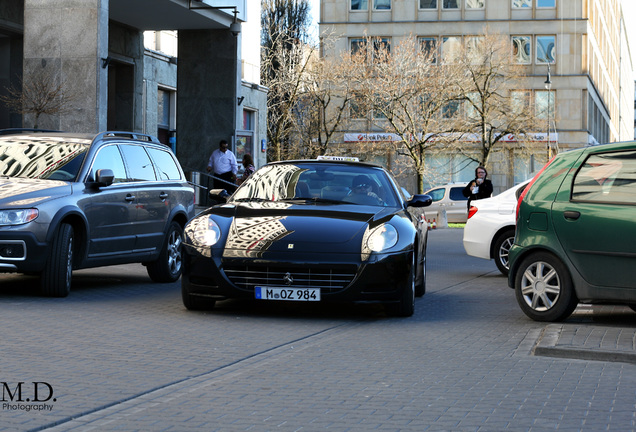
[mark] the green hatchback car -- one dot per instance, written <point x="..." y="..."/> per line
<point x="576" y="233"/>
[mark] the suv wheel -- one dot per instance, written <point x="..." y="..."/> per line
<point x="501" y="248"/>
<point x="544" y="288"/>
<point x="55" y="280"/>
<point x="167" y="268"/>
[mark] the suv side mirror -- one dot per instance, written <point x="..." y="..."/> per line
<point x="419" y="200"/>
<point x="104" y="177"/>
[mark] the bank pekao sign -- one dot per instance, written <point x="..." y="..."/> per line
<point x="361" y="137"/>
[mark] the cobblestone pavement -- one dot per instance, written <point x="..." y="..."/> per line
<point x="122" y="354"/>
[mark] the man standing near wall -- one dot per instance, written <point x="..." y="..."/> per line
<point x="223" y="166"/>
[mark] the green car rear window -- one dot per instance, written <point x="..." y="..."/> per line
<point x="607" y="178"/>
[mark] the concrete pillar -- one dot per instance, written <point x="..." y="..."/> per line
<point x="66" y="39"/>
<point x="207" y="81"/>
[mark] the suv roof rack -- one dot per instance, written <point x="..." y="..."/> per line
<point x="128" y="135"/>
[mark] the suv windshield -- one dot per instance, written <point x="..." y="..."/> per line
<point x="38" y="158"/>
<point x="319" y="182"/>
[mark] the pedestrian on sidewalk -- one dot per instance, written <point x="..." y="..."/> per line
<point x="479" y="188"/>
<point x="222" y="164"/>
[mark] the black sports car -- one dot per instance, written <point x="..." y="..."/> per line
<point x="310" y="230"/>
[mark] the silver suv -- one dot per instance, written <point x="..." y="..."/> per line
<point x="450" y="198"/>
<point x="71" y="201"/>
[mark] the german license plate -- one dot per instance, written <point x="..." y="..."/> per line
<point x="289" y="294"/>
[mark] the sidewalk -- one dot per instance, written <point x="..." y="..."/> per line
<point x="588" y="340"/>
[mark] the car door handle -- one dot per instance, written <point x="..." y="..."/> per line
<point x="163" y="195"/>
<point x="130" y="198"/>
<point x="571" y="215"/>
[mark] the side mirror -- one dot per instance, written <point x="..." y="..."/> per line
<point x="218" y="195"/>
<point x="104" y="177"/>
<point x="418" y="200"/>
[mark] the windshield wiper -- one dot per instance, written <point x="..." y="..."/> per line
<point x="254" y="199"/>
<point x="315" y="200"/>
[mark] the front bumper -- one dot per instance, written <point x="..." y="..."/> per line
<point x="21" y="252"/>
<point x="340" y="277"/>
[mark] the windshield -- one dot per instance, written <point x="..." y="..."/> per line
<point x="41" y="158"/>
<point x="319" y="182"/>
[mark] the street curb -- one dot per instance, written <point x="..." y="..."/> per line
<point x="548" y="345"/>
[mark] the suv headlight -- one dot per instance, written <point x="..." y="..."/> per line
<point x="204" y="231"/>
<point x="18" y="217"/>
<point x="382" y="237"/>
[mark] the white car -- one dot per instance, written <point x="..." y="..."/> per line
<point x="490" y="228"/>
<point x="450" y="198"/>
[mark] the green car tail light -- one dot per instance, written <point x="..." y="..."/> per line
<point x="525" y="191"/>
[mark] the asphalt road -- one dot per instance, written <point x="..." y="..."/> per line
<point x="122" y="354"/>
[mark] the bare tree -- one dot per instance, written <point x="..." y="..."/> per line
<point x="285" y="58"/>
<point x="329" y="87"/>
<point x="406" y="90"/>
<point x="492" y="109"/>
<point x="41" y="92"/>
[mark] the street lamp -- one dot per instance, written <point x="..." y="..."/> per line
<point x="548" y="86"/>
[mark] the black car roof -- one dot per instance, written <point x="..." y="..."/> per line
<point x="326" y="161"/>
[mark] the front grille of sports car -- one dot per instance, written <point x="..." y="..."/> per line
<point x="329" y="280"/>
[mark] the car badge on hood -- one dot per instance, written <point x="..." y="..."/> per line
<point x="288" y="279"/>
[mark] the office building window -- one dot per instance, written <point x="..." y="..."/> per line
<point x="545" y="49"/>
<point x="473" y="46"/>
<point x="428" y="46"/>
<point x="428" y="4"/>
<point x="520" y="100"/>
<point x="475" y="4"/>
<point x="518" y="4"/>
<point x="451" y="110"/>
<point x="473" y="106"/>
<point x="450" y="4"/>
<point x="544" y="104"/>
<point x="163" y="108"/>
<point x="356" y="107"/>
<point x="359" y="4"/>
<point x="451" y="46"/>
<point x="521" y="4"/>
<point x="522" y="49"/>
<point x="380" y="51"/>
<point x="358" y="45"/>
<point x="381" y="4"/>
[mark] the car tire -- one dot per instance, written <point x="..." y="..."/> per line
<point x="167" y="268"/>
<point x="195" y="302"/>
<point x="55" y="280"/>
<point x="544" y="288"/>
<point x="501" y="249"/>
<point x="406" y="306"/>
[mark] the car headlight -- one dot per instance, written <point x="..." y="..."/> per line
<point x="18" y="217"/>
<point x="382" y="237"/>
<point x="205" y="231"/>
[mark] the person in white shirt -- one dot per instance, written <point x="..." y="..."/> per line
<point x="222" y="165"/>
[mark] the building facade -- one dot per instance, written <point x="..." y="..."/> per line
<point x="575" y="54"/>
<point x="174" y="69"/>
